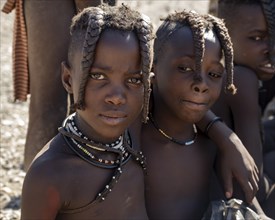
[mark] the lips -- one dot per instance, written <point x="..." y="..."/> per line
<point x="268" y="68"/>
<point x="113" y="117"/>
<point x="268" y="65"/>
<point x="195" y="105"/>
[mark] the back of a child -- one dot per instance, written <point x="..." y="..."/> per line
<point x="252" y="62"/>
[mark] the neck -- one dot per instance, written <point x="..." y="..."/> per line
<point x="173" y="125"/>
<point x="182" y="134"/>
<point x="90" y="133"/>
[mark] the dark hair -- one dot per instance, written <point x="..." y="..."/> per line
<point x="226" y="8"/>
<point x="87" y="27"/>
<point x="269" y="12"/>
<point x="198" y="25"/>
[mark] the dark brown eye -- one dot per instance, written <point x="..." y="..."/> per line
<point x="185" y="69"/>
<point x="215" y="74"/>
<point x="97" y="76"/>
<point x="135" y="80"/>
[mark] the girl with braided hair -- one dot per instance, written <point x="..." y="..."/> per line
<point x="252" y="32"/>
<point x="93" y="168"/>
<point x="188" y="68"/>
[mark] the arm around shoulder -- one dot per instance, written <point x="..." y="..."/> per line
<point x="233" y="160"/>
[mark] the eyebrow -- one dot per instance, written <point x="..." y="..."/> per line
<point x="257" y="31"/>
<point x="109" y="69"/>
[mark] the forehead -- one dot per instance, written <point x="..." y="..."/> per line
<point x="111" y="45"/>
<point x="249" y="18"/>
<point x="122" y="38"/>
<point x="181" y="42"/>
<point x="117" y="50"/>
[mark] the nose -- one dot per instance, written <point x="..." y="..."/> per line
<point x="199" y="85"/>
<point x="116" y="95"/>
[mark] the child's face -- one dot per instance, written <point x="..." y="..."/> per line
<point x="177" y="87"/>
<point x="114" y="91"/>
<point x="250" y="41"/>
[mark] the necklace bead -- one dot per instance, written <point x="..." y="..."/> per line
<point x="122" y="146"/>
<point x="183" y="143"/>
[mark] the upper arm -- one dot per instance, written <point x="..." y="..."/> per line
<point x="245" y="111"/>
<point x="40" y="195"/>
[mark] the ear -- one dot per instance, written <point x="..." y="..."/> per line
<point x="66" y="77"/>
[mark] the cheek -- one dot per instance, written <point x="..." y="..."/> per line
<point x="135" y="100"/>
<point x="215" y="92"/>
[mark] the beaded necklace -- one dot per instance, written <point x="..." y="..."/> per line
<point x="184" y="143"/>
<point x="80" y="144"/>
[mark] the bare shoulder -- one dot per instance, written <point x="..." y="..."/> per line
<point x="48" y="168"/>
<point x="247" y="85"/>
<point x="43" y="187"/>
<point x="244" y="76"/>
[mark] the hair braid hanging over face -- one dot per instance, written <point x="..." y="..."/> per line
<point x="92" y="21"/>
<point x="198" y="25"/>
<point x="144" y="34"/>
<point x="226" y="44"/>
<point x="94" y="28"/>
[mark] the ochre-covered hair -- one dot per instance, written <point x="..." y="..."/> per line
<point x="198" y="25"/>
<point x="226" y="8"/>
<point x="87" y="27"/>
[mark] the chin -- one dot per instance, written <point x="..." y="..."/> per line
<point x="195" y="118"/>
<point x="265" y="77"/>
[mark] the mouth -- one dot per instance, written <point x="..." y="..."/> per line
<point x="195" y="105"/>
<point x="268" y="68"/>
<point x="113" y="117"/>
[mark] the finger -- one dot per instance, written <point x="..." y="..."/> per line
<point x="256" y="174"/>
<point x="228" y="185"/>
<point x="247" y="188"/>
<point x="254" y="182"/>
<point x="249" y="193"/>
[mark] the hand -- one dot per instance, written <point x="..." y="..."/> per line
<point x="234" y="161"/>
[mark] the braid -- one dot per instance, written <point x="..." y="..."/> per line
<point x="269" y="12"/>
<point x="197" y="27"/>
<point x="94" y="28"/>
<point x="93" y="21"/>
<point x="175" y="21"/>
<point x="222" y="33"/>
<point x="146" y="60"/>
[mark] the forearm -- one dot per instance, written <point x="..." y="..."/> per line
<point x="218" y="132"/>
<point x="81" y="4"/>
<point x="234" y="161"/>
